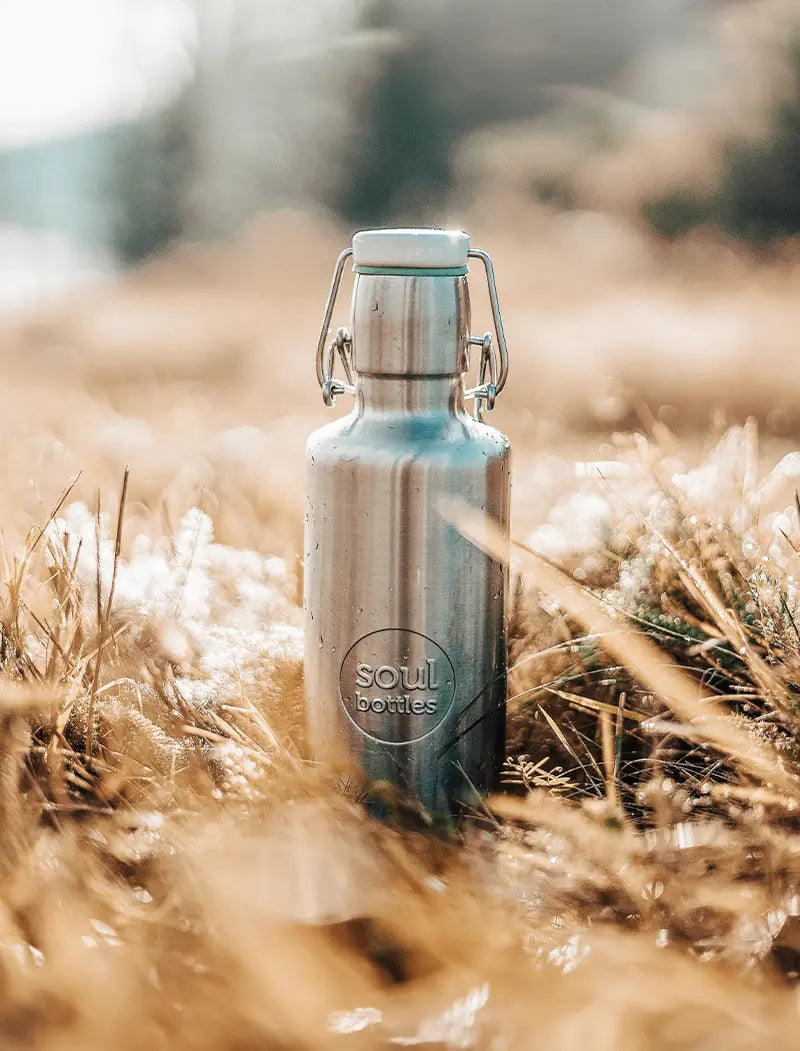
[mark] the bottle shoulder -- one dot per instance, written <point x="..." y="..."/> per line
<point x="484" y="434"/>
<point x="378" y="435"/>
<point x="324" y="435"/>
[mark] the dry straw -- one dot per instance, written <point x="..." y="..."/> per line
<point x="173" y="874"/>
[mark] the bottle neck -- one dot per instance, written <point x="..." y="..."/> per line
<point x="410" y="394"/>
<point x="410" y="327"/>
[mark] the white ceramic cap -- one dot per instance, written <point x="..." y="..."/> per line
<point x="411" y="248"/>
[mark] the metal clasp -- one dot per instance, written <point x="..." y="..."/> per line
<point x="485" y="393"/>
<point x="341" y="344"/>
<point x="493" y="358"/>
<point x="330" y="386"/>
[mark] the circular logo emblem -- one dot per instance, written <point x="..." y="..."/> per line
<point x="396" y="685"/>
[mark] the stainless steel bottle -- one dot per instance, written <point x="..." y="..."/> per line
<point x="405" y="661"/>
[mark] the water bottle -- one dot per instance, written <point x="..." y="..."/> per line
<point x="405" y="658"/>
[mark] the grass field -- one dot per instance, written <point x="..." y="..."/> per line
<point x="172" y="874"/>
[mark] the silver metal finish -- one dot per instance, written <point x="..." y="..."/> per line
<point x="484" y="392"/>
<point x="405" y="663"/>
<point x="487" y="392"/>
<point x="326" y="322"/>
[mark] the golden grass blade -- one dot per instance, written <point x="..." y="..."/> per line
<point x="104" y="626"/>
<point x="562" y="738"/>
<point x="588" y="704"/>
<point x="559" y="734"/>
<point x="731" y="627"/>
<point x="609" y="760"/>
<point x="642" y="657"/>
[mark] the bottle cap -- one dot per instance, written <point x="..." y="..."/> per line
<point x="411" y="249"/>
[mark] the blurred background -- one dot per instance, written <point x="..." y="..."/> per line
<point x="177" y="178"/>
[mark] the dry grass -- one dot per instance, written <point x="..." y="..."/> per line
<point x="174" y="875"/>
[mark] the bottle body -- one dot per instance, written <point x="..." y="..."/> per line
<point x="405" y="663"/>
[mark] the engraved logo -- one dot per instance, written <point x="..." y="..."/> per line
<point x="396" y="685"/>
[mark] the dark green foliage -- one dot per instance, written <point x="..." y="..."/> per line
<point x="757" y="196"/>
<point x="151" y="171"/>
<point x="400" y="168"/>
<point x="555" y="190"/>
<point x="677" y="213"/>
<point x="759" y="192"/>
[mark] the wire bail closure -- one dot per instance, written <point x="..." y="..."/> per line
<point x="494" y="358"/>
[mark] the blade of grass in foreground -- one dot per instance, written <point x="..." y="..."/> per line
<point x="640" y="655"/>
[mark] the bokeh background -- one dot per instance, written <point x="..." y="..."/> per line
<point x="178" y="176"/>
